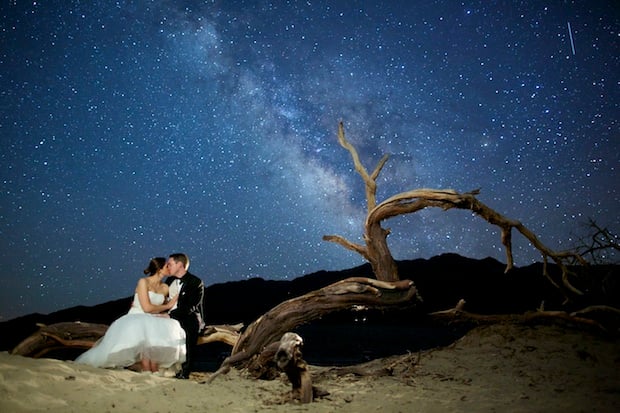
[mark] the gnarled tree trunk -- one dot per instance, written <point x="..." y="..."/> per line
<point x="345" y="294"/>
<point x="377" y="252"/>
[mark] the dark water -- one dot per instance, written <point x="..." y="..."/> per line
<point x="350" y="343"/>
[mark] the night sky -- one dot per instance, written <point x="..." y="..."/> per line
<point x="133" y="129"/>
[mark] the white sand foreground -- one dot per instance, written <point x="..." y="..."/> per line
<point x="500" y="368"/>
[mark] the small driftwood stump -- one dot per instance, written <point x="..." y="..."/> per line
<point x="288" y="358"/>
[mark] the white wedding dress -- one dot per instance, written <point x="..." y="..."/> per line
<point x="138" y="335"/>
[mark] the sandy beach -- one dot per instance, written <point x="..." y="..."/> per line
<point x="500" y="368"/>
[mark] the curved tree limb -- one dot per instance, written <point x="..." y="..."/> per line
<point x="458" y="314"/>
<point x="360" y="249"/>
<point x="228" y="334"/>
<point x="598" y="308"/>
<point x="412" y="201"/>
<point x="69" y="334"/>
<point x="338" y="296"/>
<point x="378" y="254"/>
<point x="345" y="294"/>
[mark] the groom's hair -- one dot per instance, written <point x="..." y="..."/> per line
<point x="180" y="257"/>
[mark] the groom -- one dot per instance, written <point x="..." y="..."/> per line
<point x="188" y="310"/>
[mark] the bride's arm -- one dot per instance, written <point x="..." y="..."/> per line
<point x="145" y="302"/>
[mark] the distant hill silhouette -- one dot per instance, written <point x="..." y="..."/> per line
<point x="441" y="282"/>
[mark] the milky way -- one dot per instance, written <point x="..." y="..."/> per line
<point x="136" y="129"/>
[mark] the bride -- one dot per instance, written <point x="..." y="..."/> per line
<point x="146" y="334"/>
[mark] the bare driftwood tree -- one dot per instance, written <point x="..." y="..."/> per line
<point x="374" y="293"/>
<point x="377" y="252"/>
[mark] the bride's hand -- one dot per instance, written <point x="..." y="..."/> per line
<point x="172" y="302"/>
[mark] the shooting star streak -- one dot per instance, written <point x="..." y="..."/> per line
<point x="570" y="34"/>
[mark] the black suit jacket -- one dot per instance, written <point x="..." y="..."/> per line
<point x="189" y="305"/>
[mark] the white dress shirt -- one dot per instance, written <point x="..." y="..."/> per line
<point x="174" y="290"/>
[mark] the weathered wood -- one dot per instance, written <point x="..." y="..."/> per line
<point x="228" y="334"/>
<point x="289" y="359"/>
<point x="60" y="335"/>
<point x="335" y="297"/>
<point x="81" y="335"/>
<point x="459" y="315"/>
<point x="342" y="295"/>
<point x="376" y="250"/>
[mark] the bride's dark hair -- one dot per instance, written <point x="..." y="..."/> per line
<point x="155" y="265"/>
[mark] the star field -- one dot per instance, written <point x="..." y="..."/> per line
<point x="133" y="129"/>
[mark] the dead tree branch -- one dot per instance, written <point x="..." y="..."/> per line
<point x="575" y="319"/>
<point x="228" y="334"/>
<point x="345" y="294"/>
<point x="60" y="335"/>
<point x="597" y="243"/>
<point x="377" y="252"/>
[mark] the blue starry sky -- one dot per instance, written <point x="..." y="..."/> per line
<point x="132" y="129"/>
